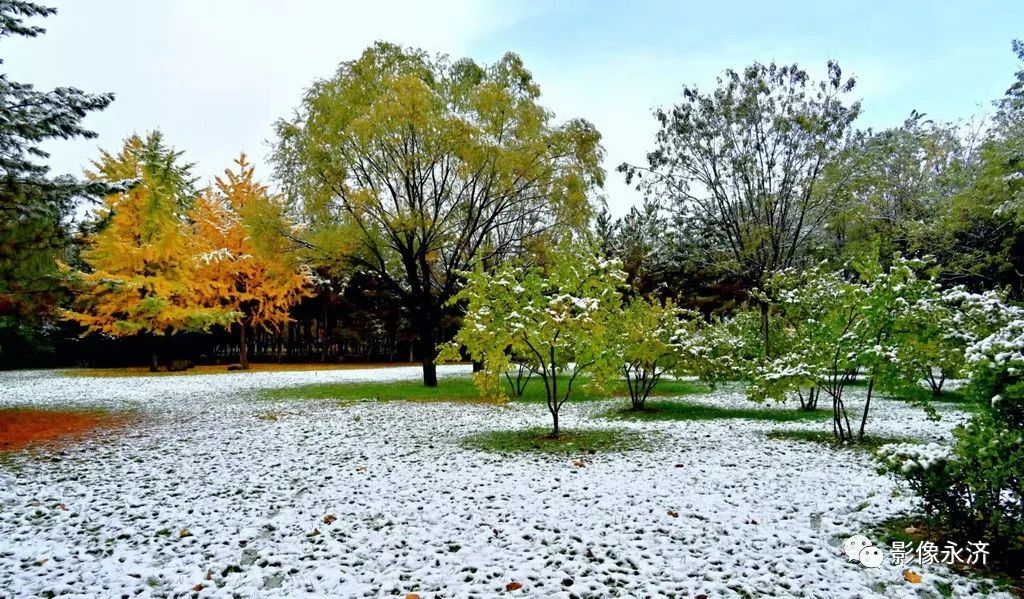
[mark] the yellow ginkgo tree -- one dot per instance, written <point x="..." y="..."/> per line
<point x="244" y="265"/>
<point x="139" y="268"/>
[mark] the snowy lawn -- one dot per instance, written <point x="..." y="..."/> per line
<point x="217" y="491"/>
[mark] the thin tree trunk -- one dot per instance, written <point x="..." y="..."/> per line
<point x="867" y="404"/>
<point x="243" y="346"/>
<point x="553" y="390"/>
<point x="326" y="339"/>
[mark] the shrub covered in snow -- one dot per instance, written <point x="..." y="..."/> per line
<point x="896" y="325"/>
<point x="834" y="325"/>
<point x="975" y="488"/>
<point x="996" y="364"/>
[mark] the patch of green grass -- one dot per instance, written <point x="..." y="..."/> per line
<point x="925" y="395"/>
<point x="458" y="389"/>
<point x="868" y="443"/>
<point x="540" y="440"/>
<point x="461" y="389"/>
<point x="681" y="410"/>
<point x="666" y="388"/>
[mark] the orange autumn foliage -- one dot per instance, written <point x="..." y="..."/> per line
<point x="244" y="263"/>
<point x="20" y="427"/>
<point x="140" y="275"/>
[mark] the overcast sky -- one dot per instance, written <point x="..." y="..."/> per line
<point x="214" y="75"/>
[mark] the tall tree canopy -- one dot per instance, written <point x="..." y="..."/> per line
<point x="34" y="206"/>
<point x="740" y="164"/>
<point x="244" y="261"/>
<point x="418" y="167"/>
<point x="887" y="185"/>
<point x="140" y="270"/>
<point x="979" y="239"/>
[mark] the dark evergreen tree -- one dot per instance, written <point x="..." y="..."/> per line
<point x="35" y="206"/>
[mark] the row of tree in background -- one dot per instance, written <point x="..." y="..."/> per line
<point x="404" y="172"/>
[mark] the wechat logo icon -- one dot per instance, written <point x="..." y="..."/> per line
<point x="860" y="549"/>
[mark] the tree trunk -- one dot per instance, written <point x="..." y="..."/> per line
<point x="243" y="347"/>
<point x="427" y="327"/>
<point x="429" y="372"/>
<point x="427" y="353"/>
<point x="154" y="363"/>
<point x="867" y="404"/>
<point x="554" y="419"/>
<point x="326" y="338"/>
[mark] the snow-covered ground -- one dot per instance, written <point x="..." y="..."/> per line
<point x="710" y="508"/>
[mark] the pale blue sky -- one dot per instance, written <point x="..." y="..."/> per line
<point x="215" y="75"/>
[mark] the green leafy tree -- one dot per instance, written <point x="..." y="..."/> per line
<point x="887" y="185"/>
<point x="821" y="311"/>
<point x="557" y="319"/>
<point x="979" y="240"/>
<point x="414" y="168"/>
<point x="903" y="333"/>
<point x="741" y="163"/>
<point x="655" y="338"/>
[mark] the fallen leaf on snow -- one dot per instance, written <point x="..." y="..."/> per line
<point x="911" y="576"/>
<point x="412" y="596"/>
<point x="197" y="588"/>
<point x="184" y="533"/>
<point x="315" y="532"/>
<point x="514" y="585"/>
<point x="673" y="513"/>
<point x="329" y="518"/>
